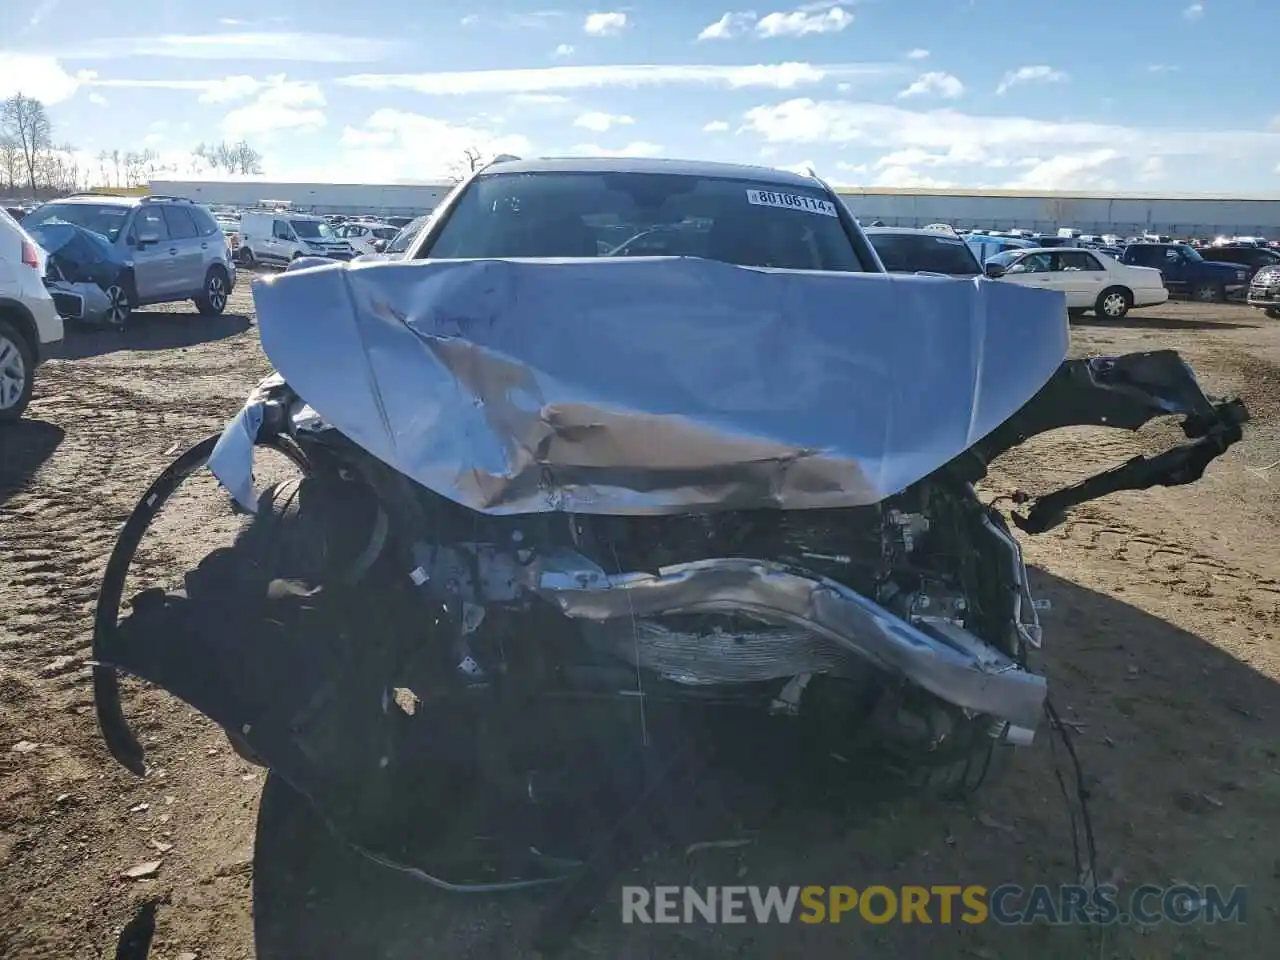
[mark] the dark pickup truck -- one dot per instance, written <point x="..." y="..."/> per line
<point x="1187" y="274"/>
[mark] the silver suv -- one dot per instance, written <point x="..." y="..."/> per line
<point x="161" y="250"/>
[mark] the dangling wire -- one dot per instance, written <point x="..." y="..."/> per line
<point x="1082" y="797"/>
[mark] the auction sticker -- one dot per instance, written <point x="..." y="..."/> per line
<point x="791" y="201"/>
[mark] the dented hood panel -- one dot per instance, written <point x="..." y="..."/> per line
<point x="656" y="385"/>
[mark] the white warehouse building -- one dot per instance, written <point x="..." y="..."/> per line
<point x="1186" y="215"/>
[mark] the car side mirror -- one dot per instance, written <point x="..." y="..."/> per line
<point x="993" y="271"/>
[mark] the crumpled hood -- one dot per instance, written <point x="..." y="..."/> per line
<point x="656" y="385"/>
<point x="73" y="245"/>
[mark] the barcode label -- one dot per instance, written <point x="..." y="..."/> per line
<point x="791" y="201"/>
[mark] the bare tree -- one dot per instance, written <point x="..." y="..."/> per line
<point x="25" y="120"/>
<point x="10" y="161"/>
<point x="243" y="159"/>
<point x="470" y="161"/>
<point x="237" y="157"/>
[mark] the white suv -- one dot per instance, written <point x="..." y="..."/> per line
<point x="30" y="327"/>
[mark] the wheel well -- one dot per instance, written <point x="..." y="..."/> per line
<point x="128" y="281"/>
<point x="20" y="317"/>
<point x="218" y="268"/>
<point x="1117" y="286"/>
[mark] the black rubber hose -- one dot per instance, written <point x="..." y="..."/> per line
<point x="120" y="740"/>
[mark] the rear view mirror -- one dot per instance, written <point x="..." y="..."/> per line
<point x="993" y="271"/>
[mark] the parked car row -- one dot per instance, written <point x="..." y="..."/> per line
<point x="1090" y="281"/>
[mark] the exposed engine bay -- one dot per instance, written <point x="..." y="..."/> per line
<point x="410" y="635"/>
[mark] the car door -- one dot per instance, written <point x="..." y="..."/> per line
<point x="1079" y="275"/>
<point x="152" y="262"/>
<point x="1173" y="267"/>
<point x="281" y="241"/>
<point x="184" y="249"/>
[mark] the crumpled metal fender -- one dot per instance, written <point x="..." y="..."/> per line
<point x="1125" y="392"/>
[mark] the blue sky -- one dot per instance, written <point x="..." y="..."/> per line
<point x="1129" y="95"/>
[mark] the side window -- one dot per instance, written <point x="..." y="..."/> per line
<point x="1033" y="263"/>
<point x="280" y="230"/>
<point x="206" y="226"/>
<point x="179" y="222"/>
<point x="1075" y="261"/>
<point x="1172" y="255"/>
<point x="150" y="222"/>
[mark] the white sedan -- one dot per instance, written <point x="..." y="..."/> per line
<point x="1091" y="281"/>
<point x="364" y="234"/>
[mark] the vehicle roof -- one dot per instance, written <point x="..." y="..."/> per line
<point x="915" y="231"/>
<point x="685" y="168"/>
<point x="1021" y="250"/>
<point x="101" y="199"/>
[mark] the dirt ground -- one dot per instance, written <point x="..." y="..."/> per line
<point x="1162" y="649"/>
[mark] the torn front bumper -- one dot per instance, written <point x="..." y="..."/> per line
<point x="946" y="660"/>
<point x="79" y="301"/>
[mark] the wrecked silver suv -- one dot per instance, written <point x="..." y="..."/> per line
<point x="623" y="451"/>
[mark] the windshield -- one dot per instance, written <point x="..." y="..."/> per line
<point x="406" y="235"/>
<point x="105" y="219"/>
<point x="312" y="229"/>
<point x="913" y="252"/>
<point x="646" y="215"/>
<point x="384" y="233"/>
<point x="1191" y="253"/>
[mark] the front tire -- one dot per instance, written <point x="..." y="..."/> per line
<point x="1113" y="303"/>
<point x="119" y="305"/>
<point x="1273" y="313"/>
<point x="245" y="256"/>
<point x="213" y="300"/>
<point x="17" y="372"/>
<point x="1209" y="293"/>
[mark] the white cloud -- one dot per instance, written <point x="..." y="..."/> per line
<point x="715" y="126"/>
<point x="802" y="22"/>
<point x="637" y="148"/>
<point x="919" y="53"/>
<point x="604" y="24"/>
<point x="1194" y="12"/>
<point x="1036" y="74"/>
<point x="283" y="105"/>
<point x="803" y="168"/>
<point x="233" y="88"/>
<point x="1162" y="68"/>
<point x="729" y="25"/>
<point x="40" y="77"/>
<point x="539" y="99"/>
<point x="535" y="19"/>
<point x="397" y="146"/>
<point x="781" y="76"/>
<point x="564" y="50"/>
<point x="97" y="99"/>
<point x="903" y="177"/>
<point x="935" y="83"/>
<point x="600" y="122"/>
<point x="280" y="47"/>
<point x="1151" y="169"/>
<point x="813" y="18"/>
<point x="1054" y="152"/>
<point x="1069" y="170"/>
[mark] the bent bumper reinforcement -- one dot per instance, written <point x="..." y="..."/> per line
<point x="953" y="664"/>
